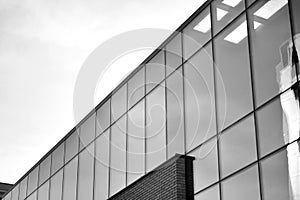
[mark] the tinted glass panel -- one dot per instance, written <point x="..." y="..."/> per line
<point x="173" y="54"/>
<point x="199" y="98"/>
<point x="271" y="49"/>
<point x="56" y="186"/>
<point x="72" y="144"/>
<point x="244" y="186"/>
<point x="175" y="116"/>
<point x="136" y="87"/>
<point x="45" y="170"/>
<point x="237" y="146"/>
<point x="87" y="131"/>
<point x="155" y="71"/>
<point x="23" y="189"/>
<point x="234" y="98"/>
<point x="136" y="142"/>
<point x="281" y="174"/>
<point x="103" y="117"/>
<point x="205" y="165"/>
<point x="43" y="192"/>
<point x="197" y="33"/>
<point x="15" y="193"/>
<point x="209" y="194"/>
<point x="85" y="174"/>
<point x="101" y="166"/>
<point x="118" y="156"/>
<point x="33" y="180"/>
<point x="57" y="158"/>
<point x="70" y="180"/>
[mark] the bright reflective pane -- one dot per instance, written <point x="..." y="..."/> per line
<point x="155" y="71"/>
<point x="212" y="193"/>
<point x="199" y="98"/>
<point x="205" y="165"/>
<point x="57" y="158"/>
<point x="136" y="142"/>
<point x="136" y="87"/>
<point x="72" y="144"/>
<point x="33" y="180"/>
<point x="44" y="170"/>
<point x="56" y="186"/>
<point x="70" y="179"/>
<point x="87" y="131"/>
<point x="43" y="192"/>
<point x="103" y="117"/>
<point x="237" y="146"/>
<point x="119" y="103"/>
<point x="23" y="189"/>
<point x="173" y="54"/>
<point x="234" y="94"/>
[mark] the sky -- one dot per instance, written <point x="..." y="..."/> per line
<point x="43" y="45"/>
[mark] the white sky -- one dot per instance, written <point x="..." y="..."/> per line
<point x="43" y="44"/>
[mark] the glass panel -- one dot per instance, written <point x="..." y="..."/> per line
<point x="15" y="193"/>
<point x="244" y="186"/>
<point x="173" y="54"/>
<point x="87" y="131"/>
<point x="8" y="196"/>
<point x="295" y="7"/>
<point x="23" y="188"/>
<point x="199" y="98"/>
<point x="281" y="174"/>
<point x="43" y="192"/>
<point x="175" y="117"/>
<point x="72" y="144"/>
<point x="237" y="146"/>
<point x="234" y="98"/>
<point x="102" y="166"/>
<point x="155" y="128"/>
<point x="205" y="165"/>
<point x="33" y="180"/>
<point x="155" y="71"/>
<point x="209" y="194"/>
<point x="118" y="156"/>
<point x="57" y="158"/>
<point x="103" y="117"/>
<point x="278" y="122"/>
<point x="85" y="174"/>
<point x="70" y="180"/>
<point x="197" y="33"/>
<point x="271" y="49"/>
<point x="45" y="170"/>
<point x="56" y="186"/>
<point x="119" y="103"/>
<point x="224" y="11"/>
<point x="249" y="2"/>
<point x="32" y="196"/>
<point x="136" y="142"/>
<point x="136" y="87"/>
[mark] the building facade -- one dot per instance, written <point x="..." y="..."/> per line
<point x="223" y="88"/>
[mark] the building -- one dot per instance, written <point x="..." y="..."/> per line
<point x="222" y="89"/>
<point x="4" y="187"/>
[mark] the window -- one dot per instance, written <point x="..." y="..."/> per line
<point x="32" y="196"/>
<point x="43" y="192"/>
<point x="87" y="131"/>
<point x="70" y="179"/>
<point x="103" y="117"/>
<point x="33" y="180"/>
<point x="15" y="193"/>
<point x="209" y="194"/>
<point x="57" y="158"/>
<point x="119" y="103"/>
<point x="136" y="87"/>
<point x="45" y="170"/>
<point x="23" y="189"/>
<point x="56" y="186"/>
<point x="155" y="71"/>
<point x="173" y="54"/>
<point x="72" y="144"/>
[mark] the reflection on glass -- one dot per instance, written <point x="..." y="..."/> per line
<point x="205" y="165"/>
<point x="234" y="94"/>
<point x="295" y="7"/>
<point x="87" y="131"/>
<point x="15" y="193"/>
<point x="155" y="71"/>
<point x="272" y="49"/>
<point x="70" y="180"/>
<point x="23" y="189"/>
<point x="43" y="192"/>
<point x="173" y="54"/>
<point x="281" y="174"/>
<point x="32" y="180"/>
<point x="118" y="156"/>
<point x="56" y="186"/>
<point x="103" y="117"/>
<point x="199" y="98"/>
<point x="209" y="194"/>
<point x="237" y="146"/>
<point x="119" y="103"/>
<point x="155" y="128"/>
<point x="136" y="142"/>
<point x="101" y="166"/>
<point x="197" y="33"/>
<point x="44" y="170"/>
<point x="72" y="144"/>
<point x="136" y="87"/>
<point x="57" y="158"/>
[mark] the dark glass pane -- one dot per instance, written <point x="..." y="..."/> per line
<point x="237" y="146"/>
<point x="281" y="174"/>
<point x="45" y="170"/>
<point x="119" y="103"/>
<point x="72" y="144"/>
<point x="212" y="193"/>
<point x="23" y="189"/>
<point x="234" y="96"/>
<point x="155" y="71"/>
<point x="70" y="179"/>
<point x="103" y="117"/>
<point x="57" y="158"/>
<point x="101" y="166"/>
<point x="199" y="98"/>
<point x="155" y="128"/>
<point x="244" y="185"/>
<point x="85" y="174"/>
<point x="278" y="122"/>
<point x="136" y="142"/>
<point x="118" y="156"/>
<point x="136" y="87"/>
<point x="43" y="192"/>
<point x="197" y="33"/>
<point x="15" y="193"/>
<point x="56" y="186"/>
<point x="87" y="131"/>
<point x="33" y="180"/>
<point x="175" y="116"/>
<point x="173" y="54"/>
<point x="205" y="165"/>
<point x="271" y="49"/>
